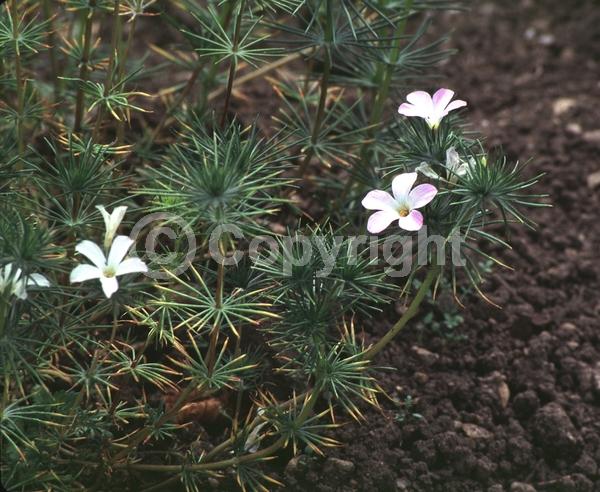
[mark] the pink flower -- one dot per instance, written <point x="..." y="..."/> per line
<point x="402" y="206"/>
<point x="421" y="104"/>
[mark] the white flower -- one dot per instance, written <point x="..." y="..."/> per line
<point x="402" y="205"/>
<point x="112" y="222"/>
<point x="431" y="109"/>
<point x="16" y="284"/>
<point x="456" y="167"/>
<point x="105" y="269"/>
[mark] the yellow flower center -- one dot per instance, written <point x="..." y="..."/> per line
<point x="109" y="272"/>
<point x="403" y="212"/>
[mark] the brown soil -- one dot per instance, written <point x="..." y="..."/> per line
<point x="515" y="405"/>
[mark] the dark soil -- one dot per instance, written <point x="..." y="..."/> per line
<point x="515" y="404"/>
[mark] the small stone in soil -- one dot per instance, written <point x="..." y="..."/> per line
<point x="521" y="487"/>
<point x="555" y="432"/>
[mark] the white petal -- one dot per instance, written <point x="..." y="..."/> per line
<point x="379" y="200"/>
<point x="454" y="105"/>
<point x="401" y="186"/>
<point x="105" y="215"/>
<point x="380" y="220"/>
<point x="38" y="280"/>
<point x="422" y="100"/>
<point x="110" y="285"/>
<point x="452" y="159"/>
<point x="93" y="252"/>
<point x="131" y="265"/>
<point x="412" y="222"/>
<point x="426" y="170"/>
<point x="408" y="109"/>
<point x="20" y="290"/>
<point x="82" y="273"/>
<point x="118" y="250"/>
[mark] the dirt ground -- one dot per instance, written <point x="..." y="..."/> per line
<point x="511" y="401"/>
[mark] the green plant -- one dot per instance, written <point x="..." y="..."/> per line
<point x="111" y="360"/>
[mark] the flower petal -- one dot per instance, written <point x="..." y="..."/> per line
<point x="454" y="105"/>
<point x="131" y="265"/>
<point x="426" y="170"/>
<point x="408" y="109"/>
<point x="110" y="285"/>
<point x="412" y="222"/>
<point x="92" y="252"/>
<point x="452" y="159"/>
<point x="421" y="100"/>
<point x="380" y="220"/>
<point x="402" y="184"/>
<point x="379" y="200"/>
<point x="441" y="99"/>
<point x="38" y="280"/>
<point x="82" y="273"/>
<point x="118" y="250"/>
<point x="105" y="215"/>
<point x="421" y="195"/>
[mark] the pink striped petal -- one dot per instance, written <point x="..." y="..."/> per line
<point x="380" y="220"/>
<point x="379" y="200"/>
<point x="441" y="99"/>
<point x="421" y="195"/>
<point x="412" y="222"/>
<point x="401" y="186"/>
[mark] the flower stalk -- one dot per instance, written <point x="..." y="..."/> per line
<point x="324" y="87"/>
<point x="83" y="68"/>
<point x="21" y="83"/>
<point x="409" y="314"/>
<point x="233" y="62"/>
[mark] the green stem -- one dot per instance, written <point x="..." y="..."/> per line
<point x="407" y="316"/>
<point x="233" y="63"/>
<point x="116" y="35"/>
<point x="214" y="334"/>
<point x="18" y="75"/>
<point x="122" y="67"/>
<point x="384" y="76"/>
<point x="83" y="69"/>
<point x="176" y="104"/>
<point x="52" y="51"/>
<point x="320" y="115"/>
<point x="142" y="434"/>
<point x="388" y="68"/>
<point x="257" y="456"/>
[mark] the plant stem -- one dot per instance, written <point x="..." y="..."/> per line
<point x="214" y="334"/>
<point x="384" y="75"/>
<point x="407" y="316"/>
<point x="208" y="81"/>
<point x="52" y="51"/>
<point x="122" y="67"/>
<point x="259" y="455"/>
<point x="388" y="68"/>
<point x="116" y="35"/>
<point x="142" y="434"/>
<point x="176" y="104"/>
<point x="233" y="63"/>
<point x="18" y="75"/>
<point x="83" y="69"/>
<point x="318" y="121"/>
